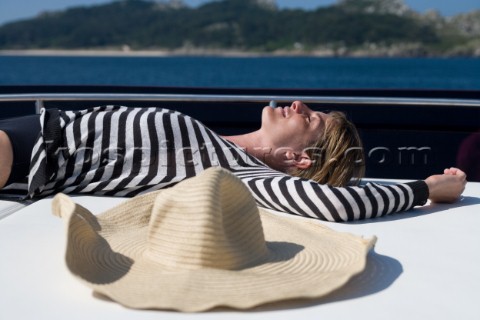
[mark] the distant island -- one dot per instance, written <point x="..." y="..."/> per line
<point x="246" y="27"/>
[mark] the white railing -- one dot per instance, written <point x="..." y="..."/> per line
<point x="39" y="98"/>
<point x="234" y="98"/>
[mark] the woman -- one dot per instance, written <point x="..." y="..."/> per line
<point x="119" y="151"/>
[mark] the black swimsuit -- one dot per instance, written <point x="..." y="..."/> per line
<point x="22" y="132"/>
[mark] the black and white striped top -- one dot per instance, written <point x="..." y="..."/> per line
<point x="120" y="151"/>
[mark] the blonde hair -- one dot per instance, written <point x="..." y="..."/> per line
<point x="337" y="157"/>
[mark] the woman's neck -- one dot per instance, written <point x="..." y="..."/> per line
<point x="249" y="142"/>
<point x="256" y="146"/>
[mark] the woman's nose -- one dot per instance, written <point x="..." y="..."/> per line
<point x="298" y="106"/>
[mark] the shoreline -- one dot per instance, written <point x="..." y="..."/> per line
<point x="157" y="53"/>
<point x="208" y="53"/>
<point x="126" y="51"/>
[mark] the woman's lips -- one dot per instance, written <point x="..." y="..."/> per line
<point x="284" y="111"/>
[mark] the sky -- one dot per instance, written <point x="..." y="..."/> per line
<point x="11" y="10"/>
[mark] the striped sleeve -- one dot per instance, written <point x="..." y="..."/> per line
<point x="309" y="199"/>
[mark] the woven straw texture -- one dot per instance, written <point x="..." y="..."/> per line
<point x="204" y="243"/>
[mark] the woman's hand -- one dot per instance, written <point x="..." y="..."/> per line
<point x="446" y="187"/>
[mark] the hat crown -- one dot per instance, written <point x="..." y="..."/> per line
<point x="214" y="222"/>
<point x="141" y="252"/>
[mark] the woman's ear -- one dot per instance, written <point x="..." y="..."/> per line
<point x="303" y="161"/>
<point x="299" y="160"/>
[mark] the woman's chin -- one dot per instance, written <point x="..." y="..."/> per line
<point x="267" y="113"/>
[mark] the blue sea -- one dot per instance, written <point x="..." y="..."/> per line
<point x="243" y="72"/>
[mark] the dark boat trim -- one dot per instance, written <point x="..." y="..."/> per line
<point x="395" y="121"/>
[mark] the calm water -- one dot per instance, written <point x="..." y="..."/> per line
<point x="278" y="72"/>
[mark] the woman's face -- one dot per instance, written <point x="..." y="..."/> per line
<point x="293" y="127"/>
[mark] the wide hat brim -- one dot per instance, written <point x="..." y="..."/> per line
<point x="109" y="252"/>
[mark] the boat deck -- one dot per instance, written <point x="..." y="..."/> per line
<point x="425" y="263"/>
<point x="424" y="266"/>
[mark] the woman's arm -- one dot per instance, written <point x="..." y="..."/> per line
<point x="310" y="199"/>
<point x="446" y="187"/>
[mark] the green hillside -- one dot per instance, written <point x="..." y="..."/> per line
<point x="360" y="27"/>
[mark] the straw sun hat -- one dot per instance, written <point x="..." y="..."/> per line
<point x="204" y="243"/>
